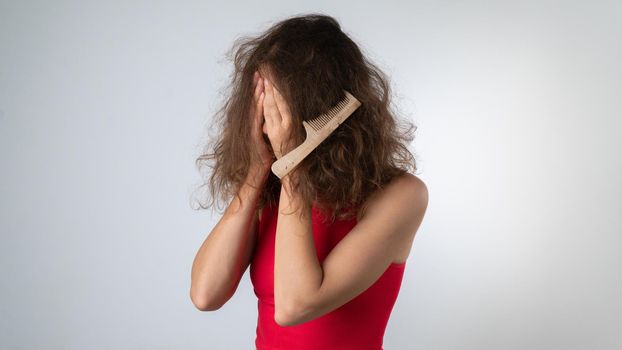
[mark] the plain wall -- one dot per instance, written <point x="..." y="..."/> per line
<point x="103" y="109"/>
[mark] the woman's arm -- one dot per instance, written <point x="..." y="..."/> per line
<point x="304" y="288"/>
<point x="226" y="252"/>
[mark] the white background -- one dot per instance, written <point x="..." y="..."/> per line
<point x="103" y="107"/>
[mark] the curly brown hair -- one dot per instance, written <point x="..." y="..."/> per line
<point x="312" y="61"/>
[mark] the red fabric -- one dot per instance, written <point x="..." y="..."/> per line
<point x="357" y="325"/>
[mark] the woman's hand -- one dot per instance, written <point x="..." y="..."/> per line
<point x="278" y="120"/>
<point x="262" y="156"/>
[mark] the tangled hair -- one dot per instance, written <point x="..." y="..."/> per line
<point x="312" y="61"/>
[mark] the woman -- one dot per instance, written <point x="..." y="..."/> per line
<point x="327" y="244"/>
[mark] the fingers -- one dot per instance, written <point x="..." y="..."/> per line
<point x="270" y="109"/>
<point x="259" y="114"/>
<point x="258" y="87"/>
<point x="259" y="103"/>
<point x="258" y="96"/>
<point x="282" y="106"/>
<point x="258" y="110"/>
<point x="257" y="106"/>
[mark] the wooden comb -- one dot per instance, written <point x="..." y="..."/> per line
<point x="317" y="129"/>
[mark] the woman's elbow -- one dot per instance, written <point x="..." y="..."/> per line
<point x="202" y="302"/>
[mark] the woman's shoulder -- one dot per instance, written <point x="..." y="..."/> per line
<point x="406" y="184"/>
<point x="409" y="181"/>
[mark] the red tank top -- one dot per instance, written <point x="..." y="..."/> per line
<point x="357" y="325"/>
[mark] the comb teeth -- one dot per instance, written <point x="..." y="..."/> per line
<point x="317" y="129"/>
<point x="319" y="122"/>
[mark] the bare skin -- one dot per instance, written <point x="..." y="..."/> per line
<point x="304" y="288"/>
<point x="394" y="216"/>
<point x="226" y="253"/>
